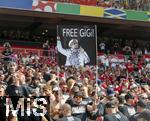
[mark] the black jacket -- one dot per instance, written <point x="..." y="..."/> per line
<point x="115" y="117"/>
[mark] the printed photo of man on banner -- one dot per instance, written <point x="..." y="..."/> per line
<point x="76" y="45"/>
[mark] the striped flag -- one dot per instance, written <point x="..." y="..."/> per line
<point x="147" y="57"/>
<point x="114" y="13"/>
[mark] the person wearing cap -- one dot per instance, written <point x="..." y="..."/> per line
<point x="76" y="55"/>
<point x="79" y="109"/>
<point x="67" y="114"/>
<point x="112" y="114"/>
<point x="128" y="108"/>
<point x="74" y="90"/>
<point x="110" y="94"/>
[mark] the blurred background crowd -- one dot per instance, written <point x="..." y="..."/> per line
<point x="116" y="89"/>
<point x="120" y="4"/>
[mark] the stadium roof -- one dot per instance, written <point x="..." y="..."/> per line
<point x="33" y="19"/>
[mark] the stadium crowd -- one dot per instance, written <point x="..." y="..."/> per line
<point x="126" y="4"/>
<point x="120" y="4"/>
<point x="109" y="92"/>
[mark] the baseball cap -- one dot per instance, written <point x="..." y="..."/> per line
<point x="110" y="92"/>
<point x="78" y="94"/>
<point x="72" y="42"/>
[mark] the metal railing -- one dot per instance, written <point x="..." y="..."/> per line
<point x="52" y="53"/>
<point x="22" y="51"/>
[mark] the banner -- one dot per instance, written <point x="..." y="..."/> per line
<point x="68" y="8"/>
<point x="112" y="58"/>
<point x="96" y="11"/>
<point x="137" y="15"/>
<point x="21" y="4"/>
<point x="76" y="45"/>
<point x="117" y="58"/>
<point x="147" y="57"/>
<point x="45" y="6"/>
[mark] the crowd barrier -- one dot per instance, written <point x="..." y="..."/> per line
<point x="39" y="52"/>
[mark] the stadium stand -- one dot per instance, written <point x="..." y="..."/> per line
<point x="117" y="88"/>
<point x="120" y="4"/>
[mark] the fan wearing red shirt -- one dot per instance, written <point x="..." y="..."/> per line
<point x="129" y="67"/>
